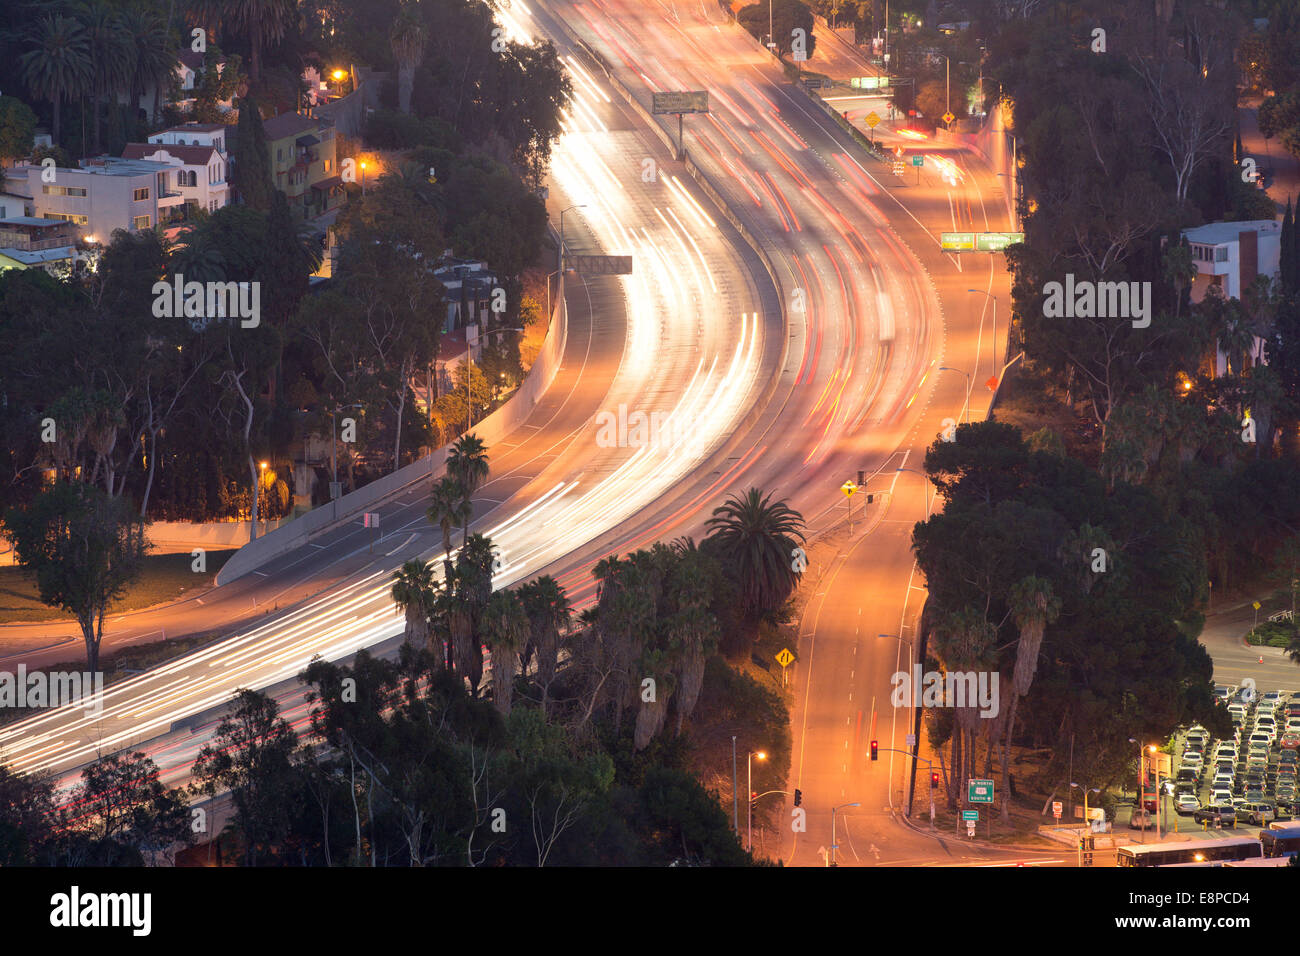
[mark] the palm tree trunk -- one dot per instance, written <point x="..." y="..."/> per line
<point x="1006" y="758"/>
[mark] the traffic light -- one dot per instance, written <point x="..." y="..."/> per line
<point x="874" y="748"/>
<point x="934" y="779"/>
<point x="798" y="796"/>
<point x="753" y="802"/>
<point x="870" y="498"/>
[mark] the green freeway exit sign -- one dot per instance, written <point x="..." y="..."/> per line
<point x="979" y="791"/>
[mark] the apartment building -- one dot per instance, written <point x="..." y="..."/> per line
<point x="106" y="193"/>
<point x="303" y="163"/>
<point x="200" y="172"/>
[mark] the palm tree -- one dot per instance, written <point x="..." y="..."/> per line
<point x="448" y="507"/>
<point x="414" y="591"/>
<point x="754" y="538"/>
<point x="407" y="38"/>
<point x="548" y="610"/>
<point x="964" y="642"/>
<point x="1034" y="606"/>
<point x="59" y="67"/>
<point x="154" y="59"/>
<point x="692" y="630"/>
<point x="505" y="629"/>
<point x="263" y="23"/>
<point x="468" y="464"/>
<point x="473" y="578"/>
<point x="112" y="58"/>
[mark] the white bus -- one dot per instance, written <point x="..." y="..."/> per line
<point x="1190" y="851"/>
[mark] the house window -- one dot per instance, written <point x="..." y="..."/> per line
<point x="279" y="155"/>
<point x="1221" y="254"/>
<point x="68" y="217"/>
<point x="141" y="194"/>
<point x="140" y="222"/>
<point x="327" y="165"/>
<point x="63" y="190"/>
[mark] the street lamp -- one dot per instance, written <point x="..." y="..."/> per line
<point x="830" y="860"/>
<point x="1155" y="773"/>
<point x="761" y="755"/>
<point x="363" y="177"/>
<point x="548" y="294"/>
<point x="1085" y="799"/>
<point x="995" y="330"/>
<point x="966" y="404"/>
<point x="947" y="98"/>
<point x="559" y="265"/>
<point x="469" y="358"/>
<point x="735" y="797"/>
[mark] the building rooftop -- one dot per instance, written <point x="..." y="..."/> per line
<point x="292" y="124"/>
<point x="31" y="221"/>
<point x="189" y="155"/>
<point x="1216" y="233"/>
<point x="117" y="166"/>
<point x="39" y="257"/>
<point x="192" y="128"/>
<point x="195" y="60"/>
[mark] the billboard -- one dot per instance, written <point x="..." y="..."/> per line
<point x="684" y="101"/>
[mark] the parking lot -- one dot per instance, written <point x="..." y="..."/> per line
<point x="1248" y="779"/>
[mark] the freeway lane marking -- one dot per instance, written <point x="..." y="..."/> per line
<point x="401" y="546"/>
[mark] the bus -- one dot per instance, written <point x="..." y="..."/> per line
<point x="1280" y="841"/>
<point x="1190" y="851"/>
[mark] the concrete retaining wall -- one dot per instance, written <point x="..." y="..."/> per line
<point x="491" y="430"/>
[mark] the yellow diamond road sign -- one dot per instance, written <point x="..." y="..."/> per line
<point x="785" y="658"/>
<point x="848" y="488"/>
<point x="872" y="119"/>
<point x="948" y="117"/>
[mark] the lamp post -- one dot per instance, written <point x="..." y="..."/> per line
<point x="1086" y="791"/>
<point x="966" y="404"/>
<point x="469" y="359"/>
<point x="995" y="329"/>
<point x="735" y="796"/>
<point x="548" y="294"/>
<point x="1155" y="773"/>
<point x="559" y="265"/>
<point x="261" y="480"/>
<point x="830" y="859"/>
<point x="363" y="177"/>
<point x="761" y="755"/>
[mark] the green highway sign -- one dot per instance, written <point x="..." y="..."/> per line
<point x="979" y="791"/>
<point x="957" y="241"/>
<point x="971" y="815"/>
<point x="918" y="160"/>
<point x="996" y="241"/>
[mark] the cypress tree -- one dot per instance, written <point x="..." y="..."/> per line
<point x="251" y="171"/>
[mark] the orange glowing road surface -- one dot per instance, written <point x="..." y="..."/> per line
<point x="791" y="388"/>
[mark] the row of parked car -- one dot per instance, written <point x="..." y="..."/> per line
<point x="1250" y="777"/>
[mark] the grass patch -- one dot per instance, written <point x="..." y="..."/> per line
<point x="165" y="577"/>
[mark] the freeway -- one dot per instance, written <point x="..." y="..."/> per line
<point x="876" y="310"/>
<point x="792" y="394"/>
<point x="678" y="339"/>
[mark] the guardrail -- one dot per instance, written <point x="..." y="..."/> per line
<point x="329" y="516"/>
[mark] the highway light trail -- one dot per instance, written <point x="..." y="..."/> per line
<point x="692" y="354"/>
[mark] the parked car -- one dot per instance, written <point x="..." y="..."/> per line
<point x="1141" y="819"/>
<point x="1259" y="814"/>
<point x="1218" y="814"/>
<point x="1186" y="803"/>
